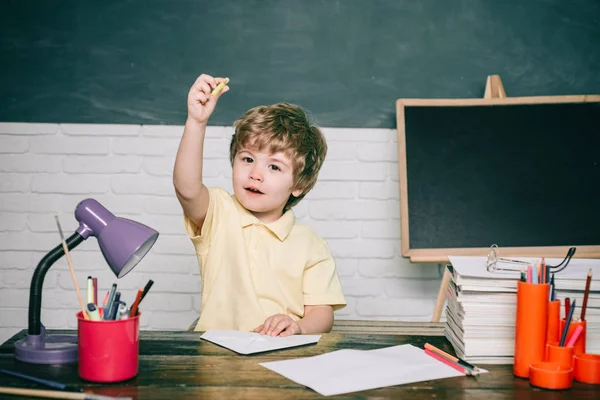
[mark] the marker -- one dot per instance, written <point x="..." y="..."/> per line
<point x="219" y="87"/>
<point x="147" y="288"/>
<point x="111" y="299"/>
<point x="93" y="312"/>
<point x="136" y="302"/>
<point x="90" y="290"/>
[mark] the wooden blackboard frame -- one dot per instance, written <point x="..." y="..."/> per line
<point x="440" y="255"/>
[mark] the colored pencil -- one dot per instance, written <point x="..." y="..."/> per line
<point x="586" y="294"/>
<point x="442" y="353"/>
<point x="567" y="324"/>
<point x="449" y="363"/>
<point x="573" y="338"/>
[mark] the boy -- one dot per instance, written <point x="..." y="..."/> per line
<point x="261" y="271"/>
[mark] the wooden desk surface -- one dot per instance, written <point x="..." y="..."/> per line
<point x="178" y="365"/>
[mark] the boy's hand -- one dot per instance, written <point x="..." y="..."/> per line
<point x="279" y="325"/>
<point x="200" y="103"/>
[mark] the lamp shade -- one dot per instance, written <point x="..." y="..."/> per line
<point x="123" y="242"/>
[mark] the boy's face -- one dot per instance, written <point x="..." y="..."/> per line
<point x="263" y="182"/>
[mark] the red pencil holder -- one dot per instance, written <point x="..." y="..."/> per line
<point x="530" y="327"/>
<point x="580" y="343"/>
<point x="108" y="350"/>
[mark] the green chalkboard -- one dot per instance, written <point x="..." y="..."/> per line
<point x="346" y="61"/>
<point x="523" y="173"/>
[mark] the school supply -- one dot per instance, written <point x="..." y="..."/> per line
<point x="347" y="371"/>
<point x="481" y="306"/>
<point x="71" y="269"/>
<point x="252" y="342"/>
<point x="121" y="256"/>
<point x="114" y="342"/>
<point x="57" y="395"/>
<point x="47" y="382"/>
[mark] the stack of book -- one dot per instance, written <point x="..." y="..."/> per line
<point x="481" y="307"/>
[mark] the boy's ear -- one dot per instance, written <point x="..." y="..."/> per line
<point x="297" y="192"/>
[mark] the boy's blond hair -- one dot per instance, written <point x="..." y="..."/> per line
<point x="283" y="128"/>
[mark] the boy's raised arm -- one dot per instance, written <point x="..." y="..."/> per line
<point x="187" y="172"/>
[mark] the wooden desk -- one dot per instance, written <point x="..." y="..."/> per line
<point x="178" y="365"/>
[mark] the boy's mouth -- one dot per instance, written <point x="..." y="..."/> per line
<point x="253" y="190"/>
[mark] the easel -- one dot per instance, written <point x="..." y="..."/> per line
<point x="493" y="90"/>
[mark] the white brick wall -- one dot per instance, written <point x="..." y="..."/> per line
<point x="46" y="169"/>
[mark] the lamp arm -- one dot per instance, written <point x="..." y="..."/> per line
<point x="37" y="281"/>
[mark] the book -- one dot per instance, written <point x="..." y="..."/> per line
<point x="481" y="306"/>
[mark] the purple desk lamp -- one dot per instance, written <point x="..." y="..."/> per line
<point x="123" y="243"/>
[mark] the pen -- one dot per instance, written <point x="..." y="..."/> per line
<point x="111" y="299"/>
<point x="114" y="306"/>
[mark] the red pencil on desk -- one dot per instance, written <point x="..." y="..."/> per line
<point x="449" y="363"/>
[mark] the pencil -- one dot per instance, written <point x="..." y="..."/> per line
<point x="66" y="249"/>
<point x="449" y="363"/>
<point x="442" y="353"/>
<point x="586" y="294"/>
<point x="567" y="324"/>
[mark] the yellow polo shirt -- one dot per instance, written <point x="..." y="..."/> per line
<point x="251" y="270"/>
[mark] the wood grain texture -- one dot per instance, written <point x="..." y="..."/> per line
<point x="178" y="365"/>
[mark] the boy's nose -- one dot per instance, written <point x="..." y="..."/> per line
<point x="255" y="174"/>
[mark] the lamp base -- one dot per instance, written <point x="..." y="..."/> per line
<point x="47" y="349"/>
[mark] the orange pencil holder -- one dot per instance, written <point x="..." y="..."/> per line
<point x="531" y="326"/>
<point x="553" y="334"/>
<point x="561" y="355"/>
<point x="550" y="375"/>
<point x="580" y="343"/>
<point x="587" y="368"/>
<point x="108" y="350"/>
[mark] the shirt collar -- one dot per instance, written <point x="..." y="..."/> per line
<point x="281" y="228"/>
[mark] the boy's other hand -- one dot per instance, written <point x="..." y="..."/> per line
<point x="200" y="102"/>
<point x="279" y="325"/>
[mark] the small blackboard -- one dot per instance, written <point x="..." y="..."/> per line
<point x="522" y="173"/>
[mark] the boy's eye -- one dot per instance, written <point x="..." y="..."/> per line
<point x="247" y="160"/>
<point x="274" y="167"/>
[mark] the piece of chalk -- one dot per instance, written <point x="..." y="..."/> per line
<point x="219" y="87"/>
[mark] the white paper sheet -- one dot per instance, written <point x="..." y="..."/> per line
<point x="252" y="342"/>
<point x="346" y="371"/>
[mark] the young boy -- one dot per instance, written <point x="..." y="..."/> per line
<point x="261" y="271"/>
